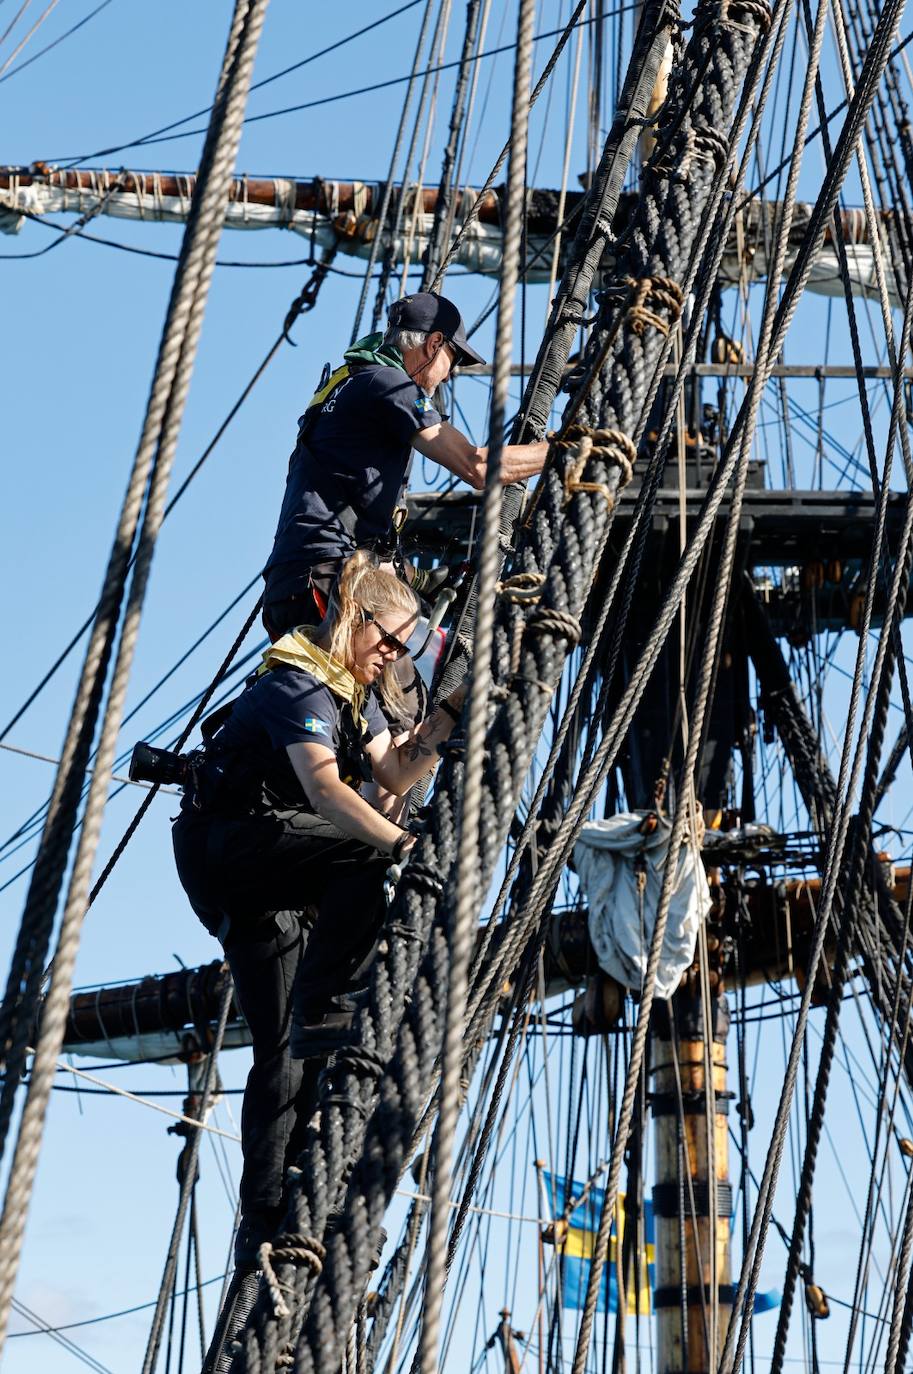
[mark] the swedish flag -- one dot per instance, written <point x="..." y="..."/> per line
<point x="579" y="1243"/>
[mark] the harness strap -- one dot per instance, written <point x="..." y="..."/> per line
<point x="328" y="385"/>
<point x="320" y="479"/>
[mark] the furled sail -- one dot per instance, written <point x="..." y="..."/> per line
<point x="340" y="216"/>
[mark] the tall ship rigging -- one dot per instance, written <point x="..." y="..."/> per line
<point x="640" y="1021"/>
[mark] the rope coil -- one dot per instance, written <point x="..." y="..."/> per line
<point x="647" y="295"/>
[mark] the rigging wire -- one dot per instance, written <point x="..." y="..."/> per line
<point x="48" y="47"/>
<point x="58" y="663"/>
<point x="110" y="1316"/>
<point x="476" y="711"/>
<point x="26" y="827"/>
<point x="394" y="158"/>
<point x="146" y="1102"/>
<point x="70" y="161"/>
<point x="48" y="758"/>
<point x="51" y="5"/>
<point x="44" y="1329"/>
<point x="846" y="786"/>
<point x="844" y="104"/>
<point x="297" y="307"/>
<point x="139" y="520"/>
<point x="321" y="1293"/>
<point x="256" y="86"/>
<point x="76" y="231"/>
<point x="151" y="735"/>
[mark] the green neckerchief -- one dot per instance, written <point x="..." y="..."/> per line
<point x="297" y="650"/>
<point x="370" y="350"/>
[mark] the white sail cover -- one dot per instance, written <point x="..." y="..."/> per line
<point x="607" y="855"/>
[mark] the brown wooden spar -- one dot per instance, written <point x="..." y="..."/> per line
<point x="341" y="216"/>
<point x="327" y="196"/>
<point x="284" y="194"/>
<point x="170" y="1014"/>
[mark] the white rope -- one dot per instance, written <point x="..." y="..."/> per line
<point x="144" y="1101"/>
<point x="483" y="1211"/>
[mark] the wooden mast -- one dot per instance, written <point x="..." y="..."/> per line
<point x="692" y="1296"/>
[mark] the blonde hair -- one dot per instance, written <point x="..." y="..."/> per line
<point x="363" y="586"/>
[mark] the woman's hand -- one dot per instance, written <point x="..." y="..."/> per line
<point x="402" y="846"/>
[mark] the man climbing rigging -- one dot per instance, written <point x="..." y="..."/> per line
<point x="355" y="439"/>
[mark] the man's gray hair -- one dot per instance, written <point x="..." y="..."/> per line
<point x="404" y="339"/>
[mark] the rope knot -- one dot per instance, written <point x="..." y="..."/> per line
<point x="612" y="446"/>
<point x="290" y="1247"/>
<point x="521" y="588"/>
<point x="361" y="1061"/>
<point x="755" y="11"/>
<point x="704" y="144"/>
<point x="549" y="621"/>
<point x="651" y="294"/>
<point x="422" y="877"/>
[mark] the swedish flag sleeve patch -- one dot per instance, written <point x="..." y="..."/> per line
<point x="313" y="726"/>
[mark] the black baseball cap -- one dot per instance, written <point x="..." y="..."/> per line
<point x="428" y="311"/>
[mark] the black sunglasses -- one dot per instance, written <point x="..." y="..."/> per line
<point x="387" y="641"/>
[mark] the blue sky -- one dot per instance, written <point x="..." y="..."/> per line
<point x="82" y="326"/>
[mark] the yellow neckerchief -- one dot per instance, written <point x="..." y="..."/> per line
<point x="296" y="650"/>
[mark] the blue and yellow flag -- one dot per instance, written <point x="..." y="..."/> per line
<point x="580" y="1241"/>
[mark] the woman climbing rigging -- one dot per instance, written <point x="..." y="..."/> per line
<point x="284" y="861"/>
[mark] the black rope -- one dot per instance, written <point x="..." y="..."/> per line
<point x="517" y="722"/>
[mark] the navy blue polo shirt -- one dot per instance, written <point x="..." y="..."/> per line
<point x="289" y="706"/>
<point x="354" y="453"/>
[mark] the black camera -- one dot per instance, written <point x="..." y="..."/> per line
<point x="149" y="764"/>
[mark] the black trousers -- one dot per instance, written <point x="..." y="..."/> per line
<point x="282" y="614"/>
<point x="298" y="909"/>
